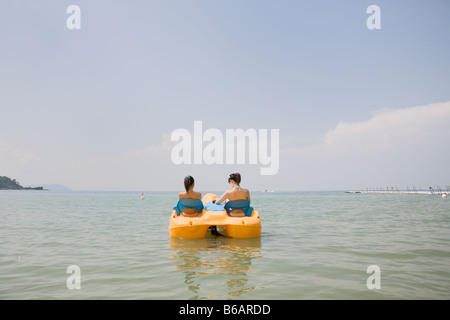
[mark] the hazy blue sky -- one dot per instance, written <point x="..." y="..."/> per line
<point x="94" y="108"/>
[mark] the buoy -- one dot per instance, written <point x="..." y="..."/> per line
<point x="142" y="196"/>
<point x="444" y="195"/>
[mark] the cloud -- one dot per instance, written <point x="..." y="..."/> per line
<point x="139" y="169"/>
<point x="11" y="154"/>
<point x="390" y="129"/>
<point x="150" y="152"/>
<point x="401" y="146"/>
<point x="18" y="163"/>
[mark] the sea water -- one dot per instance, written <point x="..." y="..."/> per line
<point x="314" y="245"/>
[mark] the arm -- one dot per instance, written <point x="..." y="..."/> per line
<point x="222" y="197"/>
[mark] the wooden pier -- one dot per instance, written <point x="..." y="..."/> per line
<point x="395" y="190"/>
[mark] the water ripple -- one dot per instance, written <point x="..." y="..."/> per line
<point x="320" y="250"/>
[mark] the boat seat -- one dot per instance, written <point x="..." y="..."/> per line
<point x="184" y="204"/>
<point x="241" y="204"/>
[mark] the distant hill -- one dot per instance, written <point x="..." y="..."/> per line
<point x="56" y="187"/>
<point x="7" y="183"/>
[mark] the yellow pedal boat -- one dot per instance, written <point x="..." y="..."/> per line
<point x="230" y="220"/>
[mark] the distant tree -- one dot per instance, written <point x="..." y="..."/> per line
<point x="7" y="184"/>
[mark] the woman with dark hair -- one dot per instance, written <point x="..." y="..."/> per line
<point x="189" y="203"/>
<point x="189" y="184"/>
<point x="236" y="193"/>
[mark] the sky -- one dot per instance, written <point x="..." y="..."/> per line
<point x="94" y="108"/>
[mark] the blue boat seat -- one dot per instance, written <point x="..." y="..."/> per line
<point x="241" y="204"/>
<point x="183" y="204"/>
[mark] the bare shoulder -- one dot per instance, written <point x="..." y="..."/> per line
<point x="197" y="195"/>
<point x="228" y="193"/>
<point x="247" y="193"/>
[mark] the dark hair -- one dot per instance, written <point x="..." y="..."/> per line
<point x="188" y="182"/>
<point x="236" y="177"/>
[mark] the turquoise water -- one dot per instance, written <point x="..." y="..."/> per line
<point x="314" y="245"/>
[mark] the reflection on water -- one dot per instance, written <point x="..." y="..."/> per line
<point x="215" y="265"/>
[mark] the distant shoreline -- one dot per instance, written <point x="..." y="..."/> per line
<point x="7" y="183"/>
<point x="25" y="188"/>
<point x="35" y="188"/>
